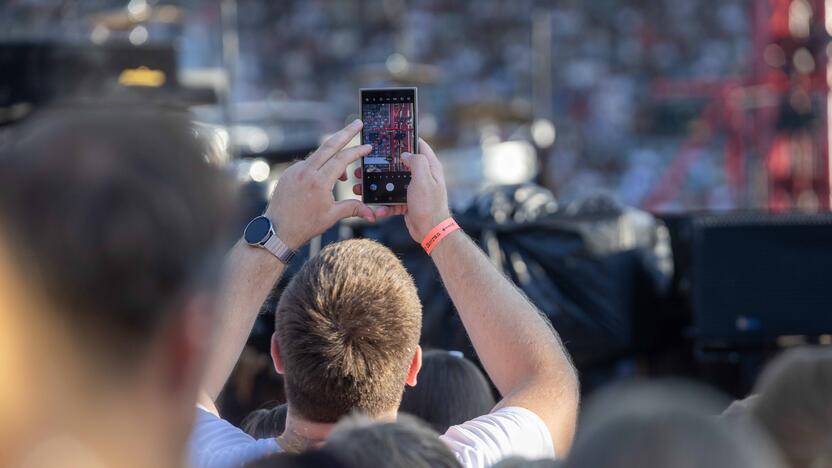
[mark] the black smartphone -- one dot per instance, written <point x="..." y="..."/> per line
<point x="389" y="116"/>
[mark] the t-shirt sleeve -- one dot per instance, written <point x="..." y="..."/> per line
<point x="507" y="432"/>
<point x="216" y="443"/>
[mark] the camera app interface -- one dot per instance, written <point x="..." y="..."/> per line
<point x="390" y="126"/>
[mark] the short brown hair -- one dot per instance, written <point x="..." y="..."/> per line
<point x="348" y="325"/>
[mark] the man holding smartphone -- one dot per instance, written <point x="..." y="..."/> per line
<point x="521" y="353"/>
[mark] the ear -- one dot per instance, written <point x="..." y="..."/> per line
<point x="275" y="350"/>
<point x="415" y="367"/>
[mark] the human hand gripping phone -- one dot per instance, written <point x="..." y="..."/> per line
<point x="389" y="116"/>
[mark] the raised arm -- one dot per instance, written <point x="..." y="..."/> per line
<point x="520" y="351"/>
<point x="301" y="208"/>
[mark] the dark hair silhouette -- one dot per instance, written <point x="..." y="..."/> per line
<point x="451" y="390"/>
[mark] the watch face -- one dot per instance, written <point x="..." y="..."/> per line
<point x="257" y="230"/>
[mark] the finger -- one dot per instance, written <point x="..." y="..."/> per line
<point x="357" y="172"/>
<point x="397" y="210"/>
<point x="418" y="166"/>
<point x="336" y="165"/>
<point x="358" y="189"/>
<point x="334" y="144"/>
<point x="433" y="161"/>
<point x="353" y="208"/>
<point x="388" y="211"/>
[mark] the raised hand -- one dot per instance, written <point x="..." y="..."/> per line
<point x="427" y="196"/>
<point x="303" y="205"/>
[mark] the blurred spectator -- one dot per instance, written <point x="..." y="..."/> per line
<point x="665" y="425"/>
<point x="265" y="422"/>
<point x="451" y="390"/>
<point x="312" y="459"/>
<point x="407" y="443"/>
<point x="794" y="403"/>
<point x="522" y="463"/>
<point x="118" y="222"/>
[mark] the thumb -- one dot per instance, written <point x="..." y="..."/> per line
<point x="353" y="208"/>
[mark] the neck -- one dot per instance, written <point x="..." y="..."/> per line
<point x="301" y="434"/>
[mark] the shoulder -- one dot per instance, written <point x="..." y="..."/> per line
<point x="510" y="431"/>
<point x="216" y="443"/>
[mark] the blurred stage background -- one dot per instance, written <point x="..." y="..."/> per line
<point x="654" y="174"/>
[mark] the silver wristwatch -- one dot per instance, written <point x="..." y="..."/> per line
<point x="260" y="233"/>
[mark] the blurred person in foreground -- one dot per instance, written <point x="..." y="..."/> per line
<point x="26" y="368"/>
<point x="310" y="459"/>
<point x="793" y="402"/>
<point x="665" y="425"/>
<point x="348" y="324"/>
<point x="516" y="462"/>
<point x="406" y="443"/>
<point x="451" y="390"/>
<point x="115" y="220"/>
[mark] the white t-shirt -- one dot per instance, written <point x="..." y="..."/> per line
<point x="481" y="442"/>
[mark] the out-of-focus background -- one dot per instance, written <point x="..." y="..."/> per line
<point x="668" y="105"/>
<point x="611" y="155"/>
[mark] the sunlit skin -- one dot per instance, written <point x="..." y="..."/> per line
<point x="58" y="408"/>
<point x="35" y="384"/>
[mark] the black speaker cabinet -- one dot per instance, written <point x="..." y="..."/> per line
<point x="755" y="277"/>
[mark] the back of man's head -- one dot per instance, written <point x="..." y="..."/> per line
<point x="451" y="390"/>
<point x="406" y="443"/>
<point x="117" y="221"/>
<point x="348" y="326"/>
<point x="794" y="404"/>
<point x="118" y="216"/>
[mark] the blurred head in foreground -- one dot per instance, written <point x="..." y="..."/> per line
<point x="310" y="459"/>
<point x="407" y="443"/>
<point x="516" y="462"/>
<point x="265" y="422"/>
<point x="794" y="404"/>
<point x="668" y="425"/>
<point x="116" y="221"/>
<point x="451" y="390"/>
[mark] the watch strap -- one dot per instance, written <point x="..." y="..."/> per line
<point x="279" y="249"/>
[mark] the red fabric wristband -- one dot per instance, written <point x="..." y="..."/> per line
<point x="438" y="233"/>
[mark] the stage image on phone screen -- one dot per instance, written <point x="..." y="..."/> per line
<point x="390" y="127"/>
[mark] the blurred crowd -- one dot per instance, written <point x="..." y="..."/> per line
<point x="482" y="75"/>
<point x="605" y="58"/>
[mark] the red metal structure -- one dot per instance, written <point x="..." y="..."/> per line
<point x="775" y="121"/>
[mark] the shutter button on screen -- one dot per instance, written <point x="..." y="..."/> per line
<point x="390" y="186"/>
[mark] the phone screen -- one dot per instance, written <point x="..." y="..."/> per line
<point x="389" y="116"/>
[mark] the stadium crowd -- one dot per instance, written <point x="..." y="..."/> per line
<point x="606" y="58"/>
<point x="606" y="55"/>
<point x="125" y="307"/>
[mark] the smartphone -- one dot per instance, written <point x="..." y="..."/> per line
<point x="389" y="116"/>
